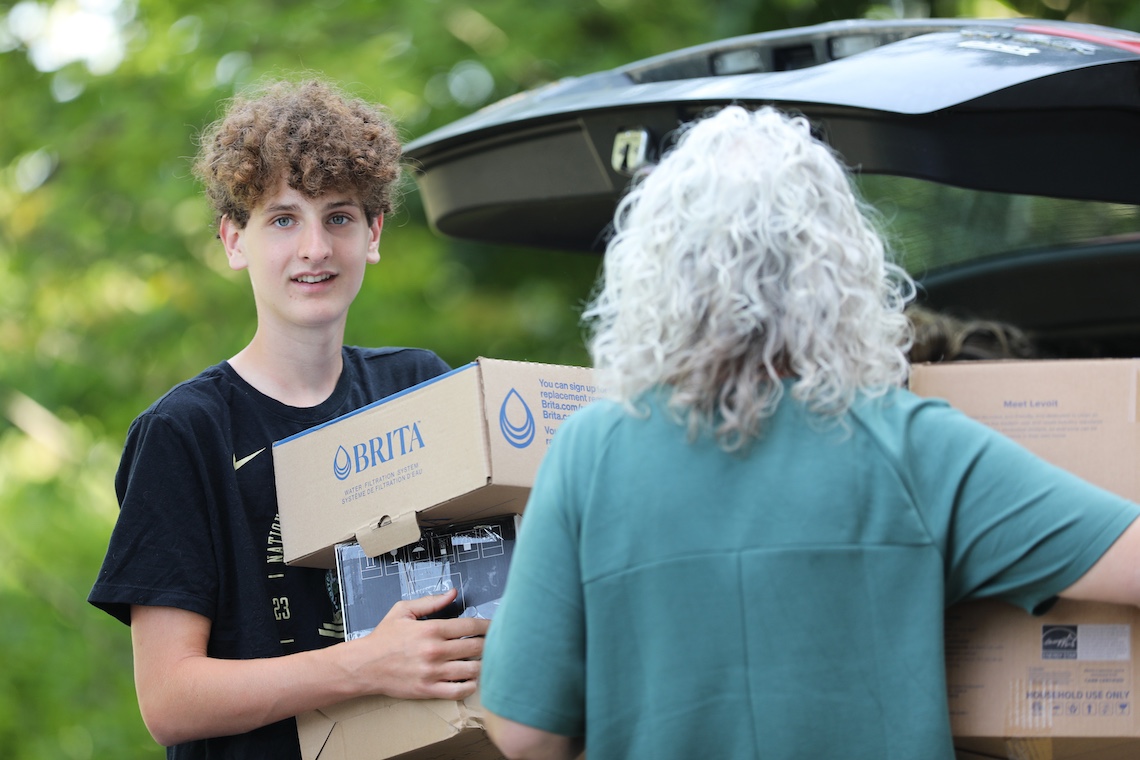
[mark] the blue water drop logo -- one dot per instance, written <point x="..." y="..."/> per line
<point x="342" y="464"/>
<point x="516" y="420"/>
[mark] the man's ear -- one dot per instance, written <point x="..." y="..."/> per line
<point x="374" y="239"/>
<point x="231" y="234"/>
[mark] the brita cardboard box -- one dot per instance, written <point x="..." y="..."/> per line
<point x="471" y="557"/>
<point x="462" y="446"/>
<point x="1061" y="685"/>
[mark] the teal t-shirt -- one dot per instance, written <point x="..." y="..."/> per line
<point x="669" y="600"/>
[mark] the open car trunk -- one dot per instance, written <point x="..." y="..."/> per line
<point x="1028" y="123"/>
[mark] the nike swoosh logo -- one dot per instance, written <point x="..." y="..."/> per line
<point x="239" y="463"/>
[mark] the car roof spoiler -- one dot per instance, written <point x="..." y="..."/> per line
<point x="1009" y="105"/>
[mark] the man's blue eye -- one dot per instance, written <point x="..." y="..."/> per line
<point x="339" y="219"/>
<point x="282" y="221"/>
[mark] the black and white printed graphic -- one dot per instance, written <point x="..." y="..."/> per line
<point x="472" y="557"/>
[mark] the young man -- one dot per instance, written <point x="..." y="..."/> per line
<point x="229" y="642"/>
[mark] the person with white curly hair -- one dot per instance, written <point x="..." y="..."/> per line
<point x="745" y="551"/>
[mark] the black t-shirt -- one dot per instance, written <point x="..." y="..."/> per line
<point x="198" y="527"/>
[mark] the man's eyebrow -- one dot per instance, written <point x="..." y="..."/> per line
<point x="277" y="208"/>
<point x="288" y="207"/>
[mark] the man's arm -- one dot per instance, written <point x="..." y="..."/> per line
<point x="520" y="742"/>
<point x="1115" y="577"/>
<point x="185" y="695"/>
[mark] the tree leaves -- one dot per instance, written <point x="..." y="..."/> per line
<point x="115" y="287"/>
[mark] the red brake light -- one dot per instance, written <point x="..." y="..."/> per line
<point x="1131" y="43"/>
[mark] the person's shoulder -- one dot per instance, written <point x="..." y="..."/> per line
<point x="422" y="358"/>
<point x="602" y="411"/>
<point x="201" y="396"/>
<point x="375" y="373"/>
<point x="901" y="403"/>
<point x="191" y="411"/>
<point x="907" y="419"/>
<point x="596" y="420"/>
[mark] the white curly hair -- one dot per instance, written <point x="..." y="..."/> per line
<point x="743" y="257"/>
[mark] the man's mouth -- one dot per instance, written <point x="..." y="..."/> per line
<point x="313" y="278"/>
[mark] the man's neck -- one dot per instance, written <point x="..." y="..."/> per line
<point x="297" y="372"/>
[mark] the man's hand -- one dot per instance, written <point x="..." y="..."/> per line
<point x="412" y="658"/>
<point x="184" y="694"/>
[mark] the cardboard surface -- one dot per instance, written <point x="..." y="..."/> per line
<point x="462" y="446"/>
<point x="1077" y="414"/>
<point x="1056" y="686"/>
<point x="1059" y="686"/>
<point x="473" y="557"/>
<point x="379" y="728"/>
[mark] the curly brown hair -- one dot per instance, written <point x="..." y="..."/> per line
<point x="309" y="132"/>
<point x="940" y="337"/>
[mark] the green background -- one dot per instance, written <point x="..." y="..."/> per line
<point x="114" y="287"/>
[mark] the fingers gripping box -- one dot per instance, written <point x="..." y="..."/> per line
<point x="1061" y="685"/>
<point x="462" y="446"/>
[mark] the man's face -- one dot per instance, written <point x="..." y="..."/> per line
<point x="305" y="256"/>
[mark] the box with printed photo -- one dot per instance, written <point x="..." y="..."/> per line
<point x="471" y="557"/>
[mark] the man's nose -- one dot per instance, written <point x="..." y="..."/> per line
<point x="315" y="243"/>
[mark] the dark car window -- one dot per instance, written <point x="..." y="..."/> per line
<point x="931" y="225"/>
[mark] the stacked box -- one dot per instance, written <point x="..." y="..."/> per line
<point x="1062" y="685"/>
<point x="459" y="448"/>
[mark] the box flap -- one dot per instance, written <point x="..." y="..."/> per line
<point x="382" y="727"/>
<point x="388" y="533"/>
<point x="469" y="744"/>
<point x="314" y="728"/>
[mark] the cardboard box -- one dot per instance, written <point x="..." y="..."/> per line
<point x="1062" y="685"/>
<point x="1057" y="686"/>
<point x="1077" y="414"/>
<point x="474" y="558"/>
<point x="376" y="728"/>
<point x="461" y="446"/>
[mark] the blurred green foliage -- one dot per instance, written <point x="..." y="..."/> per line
<point x="115" y="288"/>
